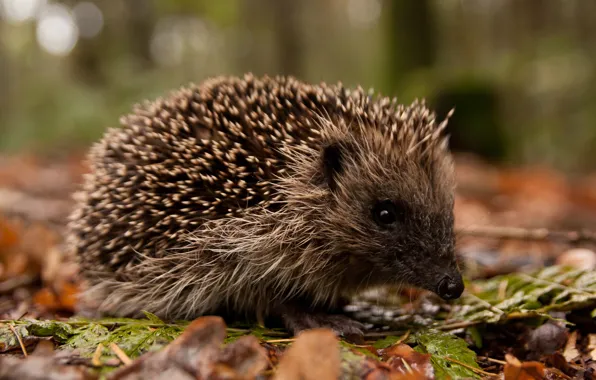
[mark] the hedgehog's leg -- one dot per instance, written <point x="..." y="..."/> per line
<point x="297" y="318"/>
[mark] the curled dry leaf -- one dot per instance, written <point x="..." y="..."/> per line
<point x="244" y="356"/>
<point x="313" y="356"/>
<point x="592" y="346"/>
<point x="404" y="360"/>
<point x="516" y="370"/>
<point x="571" y="352"/>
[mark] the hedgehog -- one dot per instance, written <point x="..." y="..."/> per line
<point x="266" y="197"/>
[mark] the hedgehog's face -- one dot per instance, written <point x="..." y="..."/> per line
<point x="396" y="218"/>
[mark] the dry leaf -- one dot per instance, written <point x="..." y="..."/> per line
<point x="516" y="370"/>
<point x="592" y="346"/>
<point x="313" y="356"/>
<point x="403" y="359"/>
<point x="571" y="352"/>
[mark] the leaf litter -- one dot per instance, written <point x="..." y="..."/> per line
<point x="520" y="317"/>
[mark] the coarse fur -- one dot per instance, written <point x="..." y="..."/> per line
<point x="247" y="194"/>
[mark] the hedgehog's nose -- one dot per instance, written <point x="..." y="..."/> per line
<point x="450" y="287"/>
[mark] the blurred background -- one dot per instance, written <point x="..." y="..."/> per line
<point x="521" y="74"/>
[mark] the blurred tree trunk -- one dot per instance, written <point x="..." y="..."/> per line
<point x="140" y="20"/>
<point x="412" y="38"/>
<point x="286" y="26"/>
<point x="87" y="60"/>
<point x="5" y="84"/>
<point x="127" y="30"/>
<point x="275" y="36"/>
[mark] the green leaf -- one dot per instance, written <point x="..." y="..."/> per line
<point x="8" y="339"/>
<point x="526" y="295"/>
<point x="153" y="318"/>
<point x="386" y="342"/>
<point x="87" y="338"/>
<point x="60" y="331"/>
<point x="443" y="345"/>
<point x="475" y="335"/>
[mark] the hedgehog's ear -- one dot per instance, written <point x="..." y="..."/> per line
<point x="333" y="164"/>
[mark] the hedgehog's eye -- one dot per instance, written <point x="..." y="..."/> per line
<point x="387" y="212"/>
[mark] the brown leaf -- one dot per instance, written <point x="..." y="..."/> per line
<point x="571" y="352"/>
<point x="40" y="367"/>
<point x="313" y="356"/>
<point x="592" y="346"/>
<point x="516" y="370"/>
<point x="403" y="359"/>
<point x="8" y="235"/>
<point x="64" y="298"/>
<point x="243" y="357"/>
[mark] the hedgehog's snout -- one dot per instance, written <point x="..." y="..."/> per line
<point x="450" y="287"/>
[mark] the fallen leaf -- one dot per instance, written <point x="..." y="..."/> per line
<point x="63" y="298"/>
<point x="445" y="350"/>
<point x="403" y="359"/>
<point x="314" y="355"/>
<point x="8" y="235"/>
<point x="40" y="367"/>
<point x="245" y="356"/>
<point x="516" y="370"/>
<point x="592" y="346"/>
<point x="571" y="352"/>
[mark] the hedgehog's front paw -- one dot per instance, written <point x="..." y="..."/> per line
<point x="343" y="325"/>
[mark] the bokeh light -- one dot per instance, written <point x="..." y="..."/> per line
<point x="57" y="32"/>
<point x="20" y="10"/>
<point x="364" y="13"/>
<point x="89" y="19"/>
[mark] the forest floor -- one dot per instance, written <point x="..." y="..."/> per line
<point x="524" y="238"/>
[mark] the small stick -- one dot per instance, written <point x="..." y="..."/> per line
<point x="536" y="234"/>
<point x="405" y="363"/>
<point x="120" y="354"/>
<point x="458" y="325"/>
<point x="502" y="362"/>
<point x="477" y="370"/>
<point x="14" y="331"/>
<point x="287" y="340"/>
<point x="403" y="338"/>
<point x="97" y="355"/>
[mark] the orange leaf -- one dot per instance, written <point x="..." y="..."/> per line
<point x="516" y="370"/>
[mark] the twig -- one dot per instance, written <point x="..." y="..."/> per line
<point x="95" y="360"/>
<point x="474" y="369"/>
<point x="382" y="334"/>
<point x="536" y="234"/>
<point x="408" y="368"/>
<point x="120" y="354"/>
<point x="403" y="338"/>
<point x="287" y="340"/>
<point x="458" y="325"/>
<point x="14" y="331"/>
<point x="502" y="362"/>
